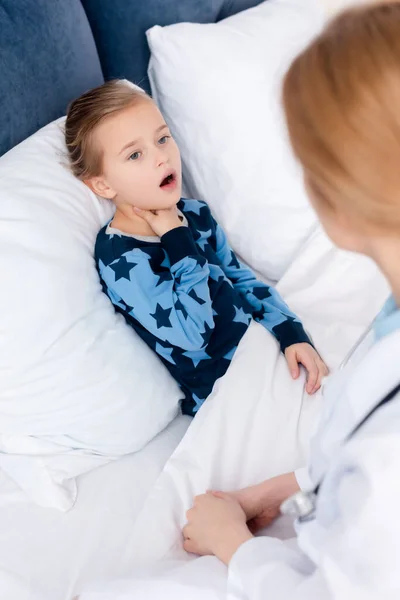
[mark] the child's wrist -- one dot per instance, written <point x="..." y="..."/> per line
<point x="168" y="224"/>
<point x="169" y="228"/>
<point x="179" y="244"/>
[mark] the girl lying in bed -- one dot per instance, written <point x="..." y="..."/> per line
<point x="164" y="262"/>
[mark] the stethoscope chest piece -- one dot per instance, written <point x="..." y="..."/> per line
<point x="301" y="506"/>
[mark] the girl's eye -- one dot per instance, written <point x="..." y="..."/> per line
<point x="135" y="156"/>
<point x="164" y="139"/>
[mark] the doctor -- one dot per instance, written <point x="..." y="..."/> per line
<point x="342" y="103"/>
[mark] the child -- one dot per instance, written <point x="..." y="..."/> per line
<point x="164" y="261"/>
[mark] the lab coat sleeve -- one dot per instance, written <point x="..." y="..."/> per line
<point x="269" y="569"/>
<point x="303" y="478"/>
<point x="358" y="551"/>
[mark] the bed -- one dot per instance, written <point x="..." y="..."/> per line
<point x="67" y="527"/>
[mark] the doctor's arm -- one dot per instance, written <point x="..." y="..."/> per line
<point x="357" y="552"/>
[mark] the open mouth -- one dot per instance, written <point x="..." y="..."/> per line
<point x="169" y="181"/>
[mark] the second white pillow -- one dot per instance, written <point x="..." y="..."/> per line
<point x="219" y="87"/>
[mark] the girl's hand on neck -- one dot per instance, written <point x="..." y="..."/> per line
<point x="127" y="221"/>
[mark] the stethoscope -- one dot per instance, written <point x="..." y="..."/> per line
<point x="302" y="505"/>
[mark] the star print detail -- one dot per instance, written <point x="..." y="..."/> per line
<point x="161" y="315"/>
<point x="241" y="316"/>
<point x="124" y="306"/>
<point x="179" y="306"/>
<point x="234" y="261"/>
<point x="122" y="268"/>
<point x="216" y="274"/>
<point x="258" y="315"/>
<point x="261" y="293"/>
<point x="193" y="295"/>
<point x="163" y="275"/>
<point x="198" y="401"/>
<point x="166" y="353"/>
<point x="235" y="280"/>
<point x="194" y="206"/>
<point x="206" y="334"/>
<point x="166" y="262"/>
<point x="161" y="268"/>
<point x="197" y="356"/>
<point x="202" y="241"/>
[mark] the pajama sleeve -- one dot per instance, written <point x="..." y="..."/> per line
<point x="266" y="305"/>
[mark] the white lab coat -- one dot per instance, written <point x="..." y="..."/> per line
<point x="351" y="550"/>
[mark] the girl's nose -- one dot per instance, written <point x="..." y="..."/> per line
<point x="161" y="158"/>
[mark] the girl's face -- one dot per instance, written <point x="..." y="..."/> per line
<point x="141" y="161"/>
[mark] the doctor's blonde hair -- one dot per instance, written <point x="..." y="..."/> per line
<point x="342" y="102"/>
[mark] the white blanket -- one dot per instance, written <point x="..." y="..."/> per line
<point x="256" y="424"/>
<point x="49" y="555"/>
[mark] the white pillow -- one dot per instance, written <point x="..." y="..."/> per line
<point x="332" y="7"/>
<point x="78" y="387"/>
<point x="219" y="87"/>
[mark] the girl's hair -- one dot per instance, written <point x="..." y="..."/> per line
<point x="342" y="102"/>
<point x="86" y="113"/>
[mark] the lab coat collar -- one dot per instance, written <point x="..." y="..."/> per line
<point x="388" y="319"/>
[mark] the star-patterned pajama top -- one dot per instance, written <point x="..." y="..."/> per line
<point x="189" y="298"/>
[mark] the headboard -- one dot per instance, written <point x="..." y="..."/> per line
<point x="51" y="51"/>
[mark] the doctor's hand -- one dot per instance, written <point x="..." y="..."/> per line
<point x="306" y="355"/>
<point x="215" y="525"/>
<point x="261" y="503"/>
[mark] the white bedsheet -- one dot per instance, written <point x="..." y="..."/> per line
<point x="47" y="555"/>
<point x="257" y="423"/>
